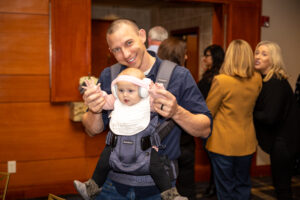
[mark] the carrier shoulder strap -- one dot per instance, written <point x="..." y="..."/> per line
<point x="163" y="76"/>
<point x="165" y="72"/>
<point x="114" y="71"/>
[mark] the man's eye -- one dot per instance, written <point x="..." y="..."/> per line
<point x="115" y="50"/>
<point x="128" y="43"/>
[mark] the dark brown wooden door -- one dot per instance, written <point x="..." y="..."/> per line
<point x="71" y="47"/>
<point x="192" y="54"/>
<point x="244" y="21"/>
<point x="101" y="56"/>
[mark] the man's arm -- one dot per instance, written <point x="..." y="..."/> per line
<point x="92" y="120"/>
<point x="197" y="125"/>
<point x="93" y="123"/>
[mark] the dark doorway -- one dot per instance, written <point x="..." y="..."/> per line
<point x="191" y="37"/>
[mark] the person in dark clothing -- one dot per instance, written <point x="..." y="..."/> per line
<point x="297" y="90"/>
<point x="277" y="117"/>
<point x="174" y="49"/>
<point x="213" y="59"/>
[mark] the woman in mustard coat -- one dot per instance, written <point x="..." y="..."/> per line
<point x="231" y="101"/>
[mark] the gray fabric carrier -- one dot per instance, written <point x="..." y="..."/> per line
<point x="127" y="156"/>
<point x="129" y="159"/>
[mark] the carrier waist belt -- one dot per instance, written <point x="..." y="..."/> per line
<point x="142" y="180"/>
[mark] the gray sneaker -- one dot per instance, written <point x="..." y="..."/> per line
<point x="81" y="189"/>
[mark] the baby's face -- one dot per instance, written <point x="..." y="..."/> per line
<point x="128" y="93"/>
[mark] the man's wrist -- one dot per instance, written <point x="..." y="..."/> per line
<point x="99" y="112"/>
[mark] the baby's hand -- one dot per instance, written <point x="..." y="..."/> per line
<point x="153" y="87"/>
<point x="91" y="85"/>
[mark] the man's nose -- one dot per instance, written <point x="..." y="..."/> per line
<point x="126" y="52"/>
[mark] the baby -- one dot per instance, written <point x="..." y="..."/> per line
<point x="130" y="120"/>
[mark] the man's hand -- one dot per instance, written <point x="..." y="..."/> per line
<point x="93" y="97"/>
<point x="197" y="125"/>
<point x="166" y="105"/>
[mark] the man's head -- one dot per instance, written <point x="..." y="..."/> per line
<point x="156" y="35"/>
<point x="127" y="43"/>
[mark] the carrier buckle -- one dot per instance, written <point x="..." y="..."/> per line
<point x="113" y="141"/>
<point x="145" y="142"/>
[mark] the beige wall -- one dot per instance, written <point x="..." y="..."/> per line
<point x="285" y="30"/>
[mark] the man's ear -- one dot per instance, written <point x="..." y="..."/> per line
<point x="142" y="35"/>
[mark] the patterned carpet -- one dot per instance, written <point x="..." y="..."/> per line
<point x="262" y="189"/>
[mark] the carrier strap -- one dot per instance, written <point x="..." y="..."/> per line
<point x="165" y="72"/>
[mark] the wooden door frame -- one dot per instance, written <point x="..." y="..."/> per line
<point x="187" y="31"/>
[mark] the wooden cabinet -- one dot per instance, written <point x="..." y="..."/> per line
<point x="70" y="47"/>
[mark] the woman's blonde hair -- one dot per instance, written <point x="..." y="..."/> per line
<point x="276" y="60"/>
<point x="238" y="60"/>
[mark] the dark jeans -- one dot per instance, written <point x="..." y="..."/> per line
<point x="281" y="166"/>
<point x="102" y="167"/>
<point x="232" y="176"/>
<point x="186" y="162"/>
<point x="110" y="192"/>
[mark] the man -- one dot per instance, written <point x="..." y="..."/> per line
<point x="183" y="103"/>
<point x="156" y="35"/>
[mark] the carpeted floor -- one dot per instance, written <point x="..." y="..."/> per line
<point x="262" y="189"/>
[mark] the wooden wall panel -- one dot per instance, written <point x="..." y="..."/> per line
<point x="244" y="21"/>
<point x="24" y="44"/>
<point x="218" y="25"/>
<point x="24" y="88"/>
<point x="71" y="48"/>
<point x="39" y="131"/>
<point x="95" y="145"/>
<point x="37" y="178"/>
<point x="27" y="6"/>
<point x="45" y="172"/>
<point x="101" y="56"/>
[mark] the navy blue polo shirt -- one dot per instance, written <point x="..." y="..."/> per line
<point x="183" y="87"/>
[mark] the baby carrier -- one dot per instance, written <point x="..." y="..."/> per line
<point x="131" y="154"/>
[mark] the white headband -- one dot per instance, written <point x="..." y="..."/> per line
<point x="142" y="83"/>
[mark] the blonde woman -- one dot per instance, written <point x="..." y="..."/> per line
<point x="231" y="101"/>
<point x="276" y="115"/>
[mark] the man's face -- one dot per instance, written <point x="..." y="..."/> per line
<point x="128" y="93"/>
<point x="127" y="45"/>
